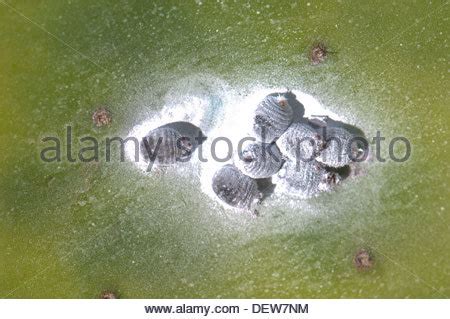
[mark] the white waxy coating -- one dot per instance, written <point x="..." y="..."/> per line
<point x="234" y="188"/>
<point x="304" y="179"/>
<point x="163" y="141"/>
<point x="272" y="117"/>
<point x="301" y="141"/>
<point x="340" y="149"/>
<point x="259" y="160"/>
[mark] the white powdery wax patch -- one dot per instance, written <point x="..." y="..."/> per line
<point x="313" y="106"/>
<point x="192" y="111"/>
<point x="236" y="127"/>
<point x="225" y="117"/>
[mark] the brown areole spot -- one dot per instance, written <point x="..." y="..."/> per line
<point x="101" y="117"/>
<point x="318" y="53"/>
<point x="107" y="294"/>
<point x="363" y="260"/>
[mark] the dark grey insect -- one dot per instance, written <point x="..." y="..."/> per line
<point x="340" y="147"/>
<point x="165" y="146"/>
<point x="259" y="160"/>
<point x="301" y="141"/>
<point x="272" y="117"/>
<point x="234" y="188"/>
<point x="306" y="179"/>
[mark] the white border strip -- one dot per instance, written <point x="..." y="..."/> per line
<point x="255" y="308"/>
